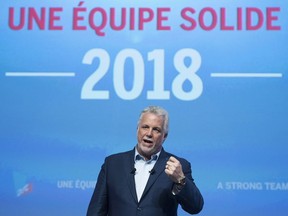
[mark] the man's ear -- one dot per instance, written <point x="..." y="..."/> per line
<point x="166" y="135"/>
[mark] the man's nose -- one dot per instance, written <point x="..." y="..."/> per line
<point x="149" y="133"/>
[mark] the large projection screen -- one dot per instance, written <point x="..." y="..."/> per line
<point x="74" y="76"/>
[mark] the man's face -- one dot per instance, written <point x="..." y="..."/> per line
<point x="150" y="134"/>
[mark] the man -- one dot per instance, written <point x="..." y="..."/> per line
<point x="147" y="180"/>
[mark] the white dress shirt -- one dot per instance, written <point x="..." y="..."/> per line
<point x="143" y="170"/>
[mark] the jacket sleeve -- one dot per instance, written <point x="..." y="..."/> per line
<point x="190" y="197"/>
<point x="98" y="205"/>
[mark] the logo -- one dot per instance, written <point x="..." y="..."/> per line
<point x="24" y="190"/>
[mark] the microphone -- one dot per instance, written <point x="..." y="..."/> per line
<point x="133" y="171"/>
<point x="152" y="171"/>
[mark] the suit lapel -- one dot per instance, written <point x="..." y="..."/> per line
<point x="158" y="169"/>
<point x="130" y="175"/>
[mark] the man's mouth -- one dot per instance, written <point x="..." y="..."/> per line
<point x="147" y="141"/>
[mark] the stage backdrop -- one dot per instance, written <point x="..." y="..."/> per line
<point x="74" y="76"/>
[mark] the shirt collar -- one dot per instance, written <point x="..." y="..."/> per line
<point x="154" y="157"/>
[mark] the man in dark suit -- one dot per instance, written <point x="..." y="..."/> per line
<point x="147" y="180"/>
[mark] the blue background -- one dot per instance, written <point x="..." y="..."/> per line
<point x="236" y="131"/>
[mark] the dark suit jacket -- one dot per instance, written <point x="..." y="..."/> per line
<point x="115" y="193"/>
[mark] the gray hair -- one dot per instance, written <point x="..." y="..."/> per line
<point x="159" y="111"/>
